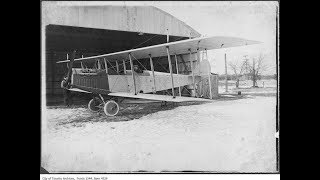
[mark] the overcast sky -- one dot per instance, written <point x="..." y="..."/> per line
<point x="250" y="20"/>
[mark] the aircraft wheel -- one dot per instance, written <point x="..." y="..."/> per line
<point x="111" y="108"/>
<point x="94" y="104"/>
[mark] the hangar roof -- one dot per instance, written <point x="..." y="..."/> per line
<point x="146" y="19"/>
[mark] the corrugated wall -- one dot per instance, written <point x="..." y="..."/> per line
<point x="145" y="19"/>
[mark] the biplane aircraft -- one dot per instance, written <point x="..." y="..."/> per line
<point x="107" y="82"/>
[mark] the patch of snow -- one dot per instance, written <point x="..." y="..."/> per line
<point x="223" y="136"/>
<point x="227" y="95"/>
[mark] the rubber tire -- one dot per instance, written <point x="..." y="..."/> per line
<point x="107" y="105"/>
<point x="92" y="104"/>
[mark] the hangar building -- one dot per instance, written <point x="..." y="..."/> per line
<point x="96" y="30"/>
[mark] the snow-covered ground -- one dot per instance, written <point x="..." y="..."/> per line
<point x="222" y="136"/>
<point x="245" y="86"/>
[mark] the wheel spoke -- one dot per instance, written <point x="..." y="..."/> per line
<point x="94" y="105"/>
<point x="111" y="108"/>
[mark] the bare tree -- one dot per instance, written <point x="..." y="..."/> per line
<point x="250" y="68"/>
<point x="237" y="71"/>
<point x="257" y="67"/>
<point x="246" y="66"/>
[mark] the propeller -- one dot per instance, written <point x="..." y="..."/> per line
<point x="65" y="83"/>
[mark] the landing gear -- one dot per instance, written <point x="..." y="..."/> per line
<point x="110" y="108"/>
<point x="95" y="104"/>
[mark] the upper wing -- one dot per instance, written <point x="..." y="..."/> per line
<point x="157" y="97"/>
<point x="178" y="47"/>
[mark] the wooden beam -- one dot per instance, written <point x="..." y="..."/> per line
<point x="170" y="68"/>
<point x="124" y="66"/>
<point x="133" y="78"/>
<point x="153" y="77"/>
<point x="177" y="72"/>
<point x="193" y="80"/>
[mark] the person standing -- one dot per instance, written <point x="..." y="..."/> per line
<point x="66" y="92"/>
<point x="237" y="83"/>
<point x="65" y="83"/>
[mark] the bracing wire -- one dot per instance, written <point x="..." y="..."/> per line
<point x="145" y="41"/>
<point x="139" y="62"/>
<point x="161" y="65"/>
<point x="113" y="67"/>
<point x="152" y="38"/>
<point x="115" y="71"/>
<point x="187" y="90"/>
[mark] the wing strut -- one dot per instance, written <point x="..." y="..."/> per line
<point x="117" y="66"/>
<point x="99" y="65"/>
<point x="209" y="75"/>
<point x="177" y="71"/>
<point x="124" y="67"/>
<point x="106" y="65"/>
<point x="197" y="55"/>
<point x="170" y="68"/>
<point x="193" y="80"/>
<point x="132" y="70"/>
<point x="152" y="69"/>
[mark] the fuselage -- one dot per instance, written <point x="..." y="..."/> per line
<point x="101" y="82"/>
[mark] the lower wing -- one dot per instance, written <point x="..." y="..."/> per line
<point x="158" y="97"/>
<point x="78" y="90"/>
